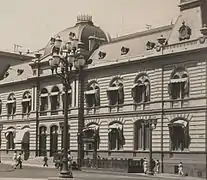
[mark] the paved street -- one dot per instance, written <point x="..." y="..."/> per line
<point x="7" y="173"/>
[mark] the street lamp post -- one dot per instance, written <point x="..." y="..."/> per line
<point x="152" y="123"/>
<point x="162" y="43"/>
<point x="64" y="58"/>
<point x="37" y="62"/>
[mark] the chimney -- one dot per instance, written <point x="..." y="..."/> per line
<point x="95" y="42"/>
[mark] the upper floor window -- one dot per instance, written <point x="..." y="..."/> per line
<point x="44" y="100"/>
<point x="115" y="92"/>
<point x="26" y="103"/>
<point x="11" y="104"/>
<point x="179" y="84"/>
<point x="141" y="89"/>
<point x="92" y="94"/>
<point x="55" y="98"/>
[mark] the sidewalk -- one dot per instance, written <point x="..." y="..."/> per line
<point x="89" y="170"/>
<point x="161" y="176"/>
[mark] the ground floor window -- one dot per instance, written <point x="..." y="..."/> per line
<point x="141" y="136"/>
<point x="179" y="136"/>
<point x="10" y="140"/>
<point x="116" y="137"/>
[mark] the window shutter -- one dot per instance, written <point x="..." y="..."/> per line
<point x="97" y="97"/>
<point x="186" y="88"/>
<point x="147" y="91"/>
<point x="134" y="92"/>
<point x="121" y="95"/>
<point x="170" y="89"/>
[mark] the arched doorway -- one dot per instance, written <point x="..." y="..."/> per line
<point x="42" y="141"/>
<point x="53" y="140"/>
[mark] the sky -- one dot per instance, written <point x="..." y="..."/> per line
<point x="31" y="23"/>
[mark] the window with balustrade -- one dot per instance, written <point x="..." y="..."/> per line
<point x="26" y="103"/>
<point x="92" y="94"/>
<point x="178" y="86"/>
<point x="115" y="92"/>
<point x="55" y="100"/>
<point x="43" y="101"/>
<point x="11" y="105"/>
<point x="141" y="88"/>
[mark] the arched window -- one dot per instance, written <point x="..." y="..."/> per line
<point x="141" y="135"/>
<point x="26" y="103"/>
<point x="116" y="136"/>
<point x="92" y="94"/>
<point x="10" y="139"/>
<point x="55" y="100"/>
<point x="11" y="104"/>
<point x="92" y="131"/>
<point x="42" y="141"/>
<point x="69" y="98"/>
<point x="43" y="100"/>
<point x="179" y="135"/>
<point x="141" y="89"/>
<point x="115" y="92"/>
<point x="53" y="140"/>
<point x="179" y="84"/>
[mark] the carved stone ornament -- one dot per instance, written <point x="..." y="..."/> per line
<point x="184" y="32"/>
<point x="202" y="39"/>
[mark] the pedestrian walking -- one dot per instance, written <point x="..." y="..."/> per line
<point x="70" y="159"/>
<point x="45" y="160"/>
<point x="19" y="161"/>
<point x="15" y="159"/>
<point x="145" y="164"/>
<point x="157" y="167"/>
<point x="180" y="169"/>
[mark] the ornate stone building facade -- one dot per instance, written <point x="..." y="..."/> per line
<point x="159" y="73"/>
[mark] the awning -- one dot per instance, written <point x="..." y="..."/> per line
<point x="179" y="122"/>
<point x="115" y="88"/>
<point x="90" y="92"/>
<point x="44" y="95"/>
<point x="178" y="80"/>
<point x="21" y="136"/>
<point x="26" y="100"/>
<point x="10" y="101"/>
<point x="93" y="126"/>
<point x="8" y="131"/>
<point x="115" y="126"/>
<point x="54" y="93"/>
<point x="69" y="91"/>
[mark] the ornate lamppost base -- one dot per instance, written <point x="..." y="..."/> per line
<point x="62" y="176"/>
<point x="150" y="173"/>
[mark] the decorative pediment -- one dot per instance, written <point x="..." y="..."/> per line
<point x="150" y="45"/>
<point x="184" y="32"/>
<point x="124" y="50"/>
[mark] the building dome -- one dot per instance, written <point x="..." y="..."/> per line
<point x="83" y="29"/>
